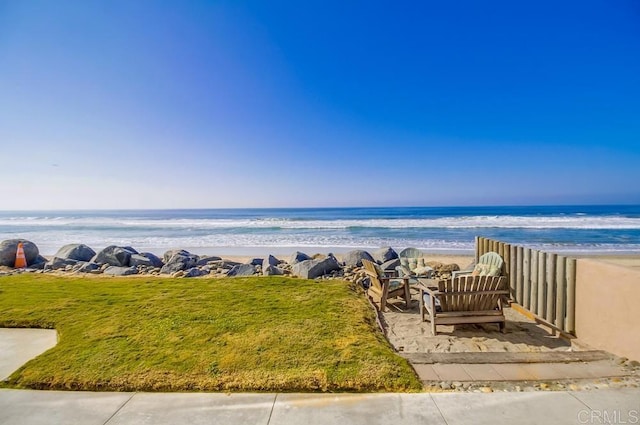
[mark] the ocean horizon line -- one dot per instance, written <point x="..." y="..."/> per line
<point x="481" y="206"/>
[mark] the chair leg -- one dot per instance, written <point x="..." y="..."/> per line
<point x="503" y="327"/>
<point x="432" y="303"/>
<point x="407" y="294"/>
<point x="421" y="301"/>
<point x="383" y="301"/>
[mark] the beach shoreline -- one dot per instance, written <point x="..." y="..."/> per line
<point x="463" y="258"/>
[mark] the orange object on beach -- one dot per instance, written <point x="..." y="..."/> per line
<point x="21" y="259"/>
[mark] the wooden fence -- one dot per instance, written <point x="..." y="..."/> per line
<point x="544" y="283"/>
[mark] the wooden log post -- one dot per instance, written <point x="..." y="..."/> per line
<point x="550" y="310"/>
<point x="513" y="270"/>
<point x="526" y="279"/>
<point x="519" y="266"/>
<point x="507" y="262"/>
<point x="561" y="294"/>
<point x="571" y="295"/>
<point x="534" y="281"/>
<point x="477" y="248"/>
<point x="542" y="287"/>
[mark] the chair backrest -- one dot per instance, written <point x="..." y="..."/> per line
<point x="471" y="293"/>
<point x="374" y="275"/>
<point x="411" y="253"/>
<point x="492" y="259"/>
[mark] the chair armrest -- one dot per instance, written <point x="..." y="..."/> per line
<point x="431" y="291"/>
<point x="403" y="271"/>
<point x="460" y="273"/>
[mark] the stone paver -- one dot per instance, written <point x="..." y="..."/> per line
<point x="482" y="372"/>
<point x="451" y="372"/>
<point x="426" y="372"/>
<point x="513" y="372"/>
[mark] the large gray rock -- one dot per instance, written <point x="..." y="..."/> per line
<point x="272" y="271"/>
<point x="154" y="259"/>
<point x="355" y="257"/>
<point x="120" y="271"/>
<point x="298" y="256"/>
<point x="89" y="268"/>
<point x="310" y="269"/>
<point x="57" y="263"/>
<point x="242" y="270"/>
<point x="390" y="265"/>
<point x="195" y="272"/>
<point x="8" y="250"/>
<point x="114" y="256"/>
<point x="168" y="254"/>
<point x="270" y="261"/>
<point x="142" y="260"/>
<point x="76" y="251"/>
<point x="385" y="254"/>
<point x="203" y="261"/>
<point x="130" y="249"/>
<point x="181" y="260"/>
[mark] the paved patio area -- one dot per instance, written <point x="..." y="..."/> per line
<point x="527" y="355"/>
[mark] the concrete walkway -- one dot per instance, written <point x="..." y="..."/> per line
<point x="24" y="407"/>
<point x="582" y="407"/>
<point x="18" y="346"/>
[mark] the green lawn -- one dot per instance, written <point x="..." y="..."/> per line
<point x="234" y="334"/>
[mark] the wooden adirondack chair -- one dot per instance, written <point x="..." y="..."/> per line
<point x="466" y="299"/>
<point x="489" y="264"/>
<point x="386" y="287"/>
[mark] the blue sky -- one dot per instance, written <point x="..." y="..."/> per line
<point x="125" y="104"/>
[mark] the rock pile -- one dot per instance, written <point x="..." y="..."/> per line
<point x="125" y="261"/>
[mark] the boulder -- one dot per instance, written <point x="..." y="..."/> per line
<point x="113" y="255"/>
<point x="120" y="271"/>
<point x="57" y="263"/>
<point x="181" y="260"/>
<point x="195" y="272"/>
<point x="298" y="257"/>
<point x="242" y="270"/>
<point x="256" y="262"/>
<point x="39" y="263"/>
<point x="76" y="251"/>
<point x="168" y="254"/>
<point x="130" y="249"/>
<point x="390" y="265"/>
<point x="385" y="254"/>
<point x="224" y="264"/>
<point x="310" y="269"/>
<point x="355" y="257"/>
<point x="207" y="259"/>
<point x="154" y="259"/>
<point x="8" y="250"/>
<point x="272" y="271"/>
<point x="270" y="261"/>
<point x="140" y="260"/>
<point x="89" y="267"/>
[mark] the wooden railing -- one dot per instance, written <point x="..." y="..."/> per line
<point x="543" y="283"/>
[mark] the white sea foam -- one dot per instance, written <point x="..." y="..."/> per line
<point x="507" y="222"/>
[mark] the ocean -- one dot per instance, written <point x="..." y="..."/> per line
<point x="601" y="229"/>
